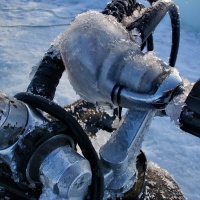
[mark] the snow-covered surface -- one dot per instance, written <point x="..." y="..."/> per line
<point x="189" y="10"/>
<point x="28" y="26"/>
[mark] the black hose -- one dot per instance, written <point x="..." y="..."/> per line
<point x="120" y="8"/>
<point x="152" y="16"/>
<point x="97" y="187"/>
<point x="150" y="45"/>
<point x="175" y="22"/>
<point x="48" y="74"/>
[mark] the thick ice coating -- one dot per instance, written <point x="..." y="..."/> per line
<point x="99" y="53"/>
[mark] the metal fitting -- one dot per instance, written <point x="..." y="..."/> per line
<point x="66" y="173"/>
<point x="119" y="154"/>
<point x="13" y="119"/>
<point x="163" y="94"/>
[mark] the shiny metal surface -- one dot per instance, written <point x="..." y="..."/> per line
<point x="47" y="147"/>
<point x="66" y="173"/>
<point x="13" y="120"/>
<point x="130" y="99"/>
<point x="119" y="154"/>
<point x="17" y="119"/>
<point x="119" y="62"/>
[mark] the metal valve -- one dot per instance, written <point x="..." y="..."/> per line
<point x="38" y="151"/>
<point x="113" y="68"/>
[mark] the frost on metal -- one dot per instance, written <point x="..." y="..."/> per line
<point x="174" y="108"/>
<point x="99" y="53"/>
<point x="85" y="45"/>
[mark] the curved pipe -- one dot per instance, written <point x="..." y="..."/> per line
<point x="130" y="99"/>
<point x="152" y="17"/>
<point x="175" y="21"/>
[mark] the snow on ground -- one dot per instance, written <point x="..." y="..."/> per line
<point x="190" y="13"/>
<point x="28" y="26"/>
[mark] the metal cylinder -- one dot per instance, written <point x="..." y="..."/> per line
<point x="13" y="119"/>
<point x="66" y="173"/>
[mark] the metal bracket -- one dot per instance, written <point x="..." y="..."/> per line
<point x="119" y="154"/>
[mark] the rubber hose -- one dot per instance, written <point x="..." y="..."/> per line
<point x="150" y="45"/>
<point x="97" y="188"/>
<point x="175" y="22"/>
<point x="48" y="74"/>
<point x="152" y="17"/>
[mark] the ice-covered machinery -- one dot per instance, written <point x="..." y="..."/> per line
<point x="104" y="57"/>
<point x="34" y="150"/>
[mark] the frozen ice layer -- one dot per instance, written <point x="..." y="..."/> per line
<point x="99" y="53"/>
<point x="85" y="45"/>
